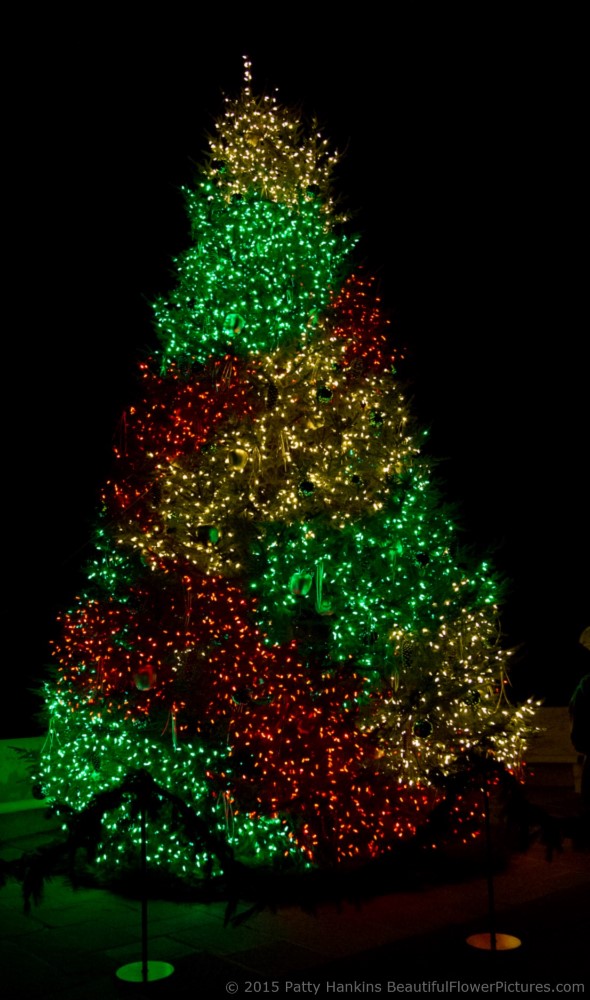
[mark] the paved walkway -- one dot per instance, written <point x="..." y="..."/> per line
<point x="72" y="944"/>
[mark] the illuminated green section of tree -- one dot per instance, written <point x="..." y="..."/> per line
<point x="258" y="275"/>
<point x="88" y="752"/>
<point x="392" y="570"/>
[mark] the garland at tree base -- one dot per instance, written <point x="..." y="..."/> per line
<point x="408" y="865"/>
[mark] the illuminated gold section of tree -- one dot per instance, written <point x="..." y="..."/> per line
<point x="259" y="145"/>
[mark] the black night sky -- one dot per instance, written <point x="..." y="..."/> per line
<point x="463" y="167"/>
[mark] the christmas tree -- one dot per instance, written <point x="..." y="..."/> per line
<point x="278" y="624"/>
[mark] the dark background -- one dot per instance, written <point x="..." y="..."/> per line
<point x="463" y="164"/>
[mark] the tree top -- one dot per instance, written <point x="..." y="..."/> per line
<point x="262" y="146"/>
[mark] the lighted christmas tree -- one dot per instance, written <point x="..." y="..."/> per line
<point x="277" y="625"/>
